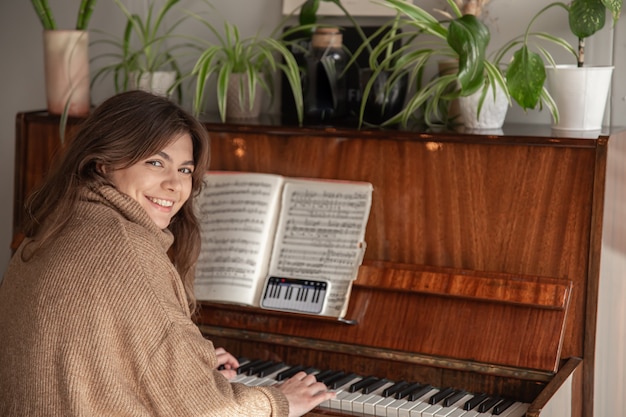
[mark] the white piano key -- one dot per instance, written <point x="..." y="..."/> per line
<point x="413" y="408"/>
<point x="258" y="381"/>
<point x="335" y="403"/>
<point x="422" y="404"/>
<point x="369" y="406"/>
<point x="458" y="405"/>
<point x="459" y="412"/>
<point x="346" y="403"/>
<point x="432" y="410"/>
<point x="403" y="407"/>
<point x="358" y="404"/>
<point x="246" y="379"/>
<point x="392" y="409"/>
<point x="380" y="409"/>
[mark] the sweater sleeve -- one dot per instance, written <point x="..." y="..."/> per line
<point x="182" y="380"/>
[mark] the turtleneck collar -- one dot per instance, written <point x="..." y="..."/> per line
<point x="129" y="209"/>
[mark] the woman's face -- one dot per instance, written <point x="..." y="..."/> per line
<point x="160" y="183"/>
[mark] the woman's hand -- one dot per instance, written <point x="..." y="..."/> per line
<point x="304" y="393"/>
<point x="226" y="363"/>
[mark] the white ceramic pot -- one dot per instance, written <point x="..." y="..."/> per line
<point x="66" y="63"/>
<point x="492" y="113"/>
<point x="157" y="82"/>
<point x="580" y="95"/>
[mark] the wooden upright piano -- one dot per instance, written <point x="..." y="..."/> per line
<point x="483" y="263"/>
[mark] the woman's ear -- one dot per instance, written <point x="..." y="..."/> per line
<point x="101" y="168"/>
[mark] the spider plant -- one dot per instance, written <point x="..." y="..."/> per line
<point x="260" y="57"/>
<point x="146" y="46"/>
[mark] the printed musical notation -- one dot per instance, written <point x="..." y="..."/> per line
<point x="259" y="225"/>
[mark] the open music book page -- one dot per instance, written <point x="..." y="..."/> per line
<point x="281" y="243"/>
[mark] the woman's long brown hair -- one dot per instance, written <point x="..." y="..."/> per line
<point x="122" y="131"/>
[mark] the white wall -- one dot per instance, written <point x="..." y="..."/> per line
<point x="22" y="86"/>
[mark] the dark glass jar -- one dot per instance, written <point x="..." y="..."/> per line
<point x="325" y="92"/>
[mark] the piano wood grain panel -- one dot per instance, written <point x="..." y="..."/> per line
<point x="450" y="201"/>
<point x="429" y="317"/>
<point x="477" y="285"/>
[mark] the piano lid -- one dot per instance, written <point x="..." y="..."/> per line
<point x="482" y="321"/>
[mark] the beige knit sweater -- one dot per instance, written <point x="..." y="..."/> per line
<point x="97" y="324"/>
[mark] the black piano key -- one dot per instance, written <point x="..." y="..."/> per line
<point x="407" y="390"/>
<point x="271" y="369"/>
<point x="330" y="378"/>
<point x="310" y="370"/>
<point x="454" y="398"/>
<point x="288" y="373"/>
<point x="323" y="374"/>
<point x="344" y="380"/>
<point x="373" y="387"/>
<point x="255" y="369"/>
<point x="362" y="383"/>
<point x="392" y="390"/>
<point x="487" y="405"/>
<point x="419" y="392"/>
<point x="500" y="408"/>
<point x="474" y="401"/>
<point x="444" y="393"/>
<point x="245" y="367"/>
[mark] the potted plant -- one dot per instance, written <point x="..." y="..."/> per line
<point x="463" y="38"/>
<point x="66" y="61"/>
<point x="527" y="71"/>
<point x="243" y="67"/>
<point x="144" y="56"/>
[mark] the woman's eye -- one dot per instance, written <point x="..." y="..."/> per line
<point x="186" y="170"/>
<point x="155" y="163"/>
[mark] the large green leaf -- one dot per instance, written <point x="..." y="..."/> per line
<point x="469" y="38"/>
<point x="586" y="17"/>
<point x="525" y="78"/>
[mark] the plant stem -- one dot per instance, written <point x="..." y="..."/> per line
<point x="581" y="52"/>
<point x="84" y="14"/>
<point x="42" y="8"/>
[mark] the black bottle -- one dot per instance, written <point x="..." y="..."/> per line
<point x="325" y="92"/>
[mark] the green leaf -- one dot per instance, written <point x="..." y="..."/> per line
<point x="615" y="7"/>
<point x="469" y="38"/>
<point x="586" y="17"/>
<point x="419" y="17"/>
<point x="525" y="78"/>
<point x="308" y="12"/>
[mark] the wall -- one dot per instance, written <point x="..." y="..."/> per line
<point x="22" y="86"/>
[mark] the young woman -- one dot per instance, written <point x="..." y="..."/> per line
<point x="95" y="307"/>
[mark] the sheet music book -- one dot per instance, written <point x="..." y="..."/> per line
<point x="281" y="243"/>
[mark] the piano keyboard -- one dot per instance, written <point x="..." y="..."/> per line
<point x="372" y="396"/>
<point x="299" y="295"/>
